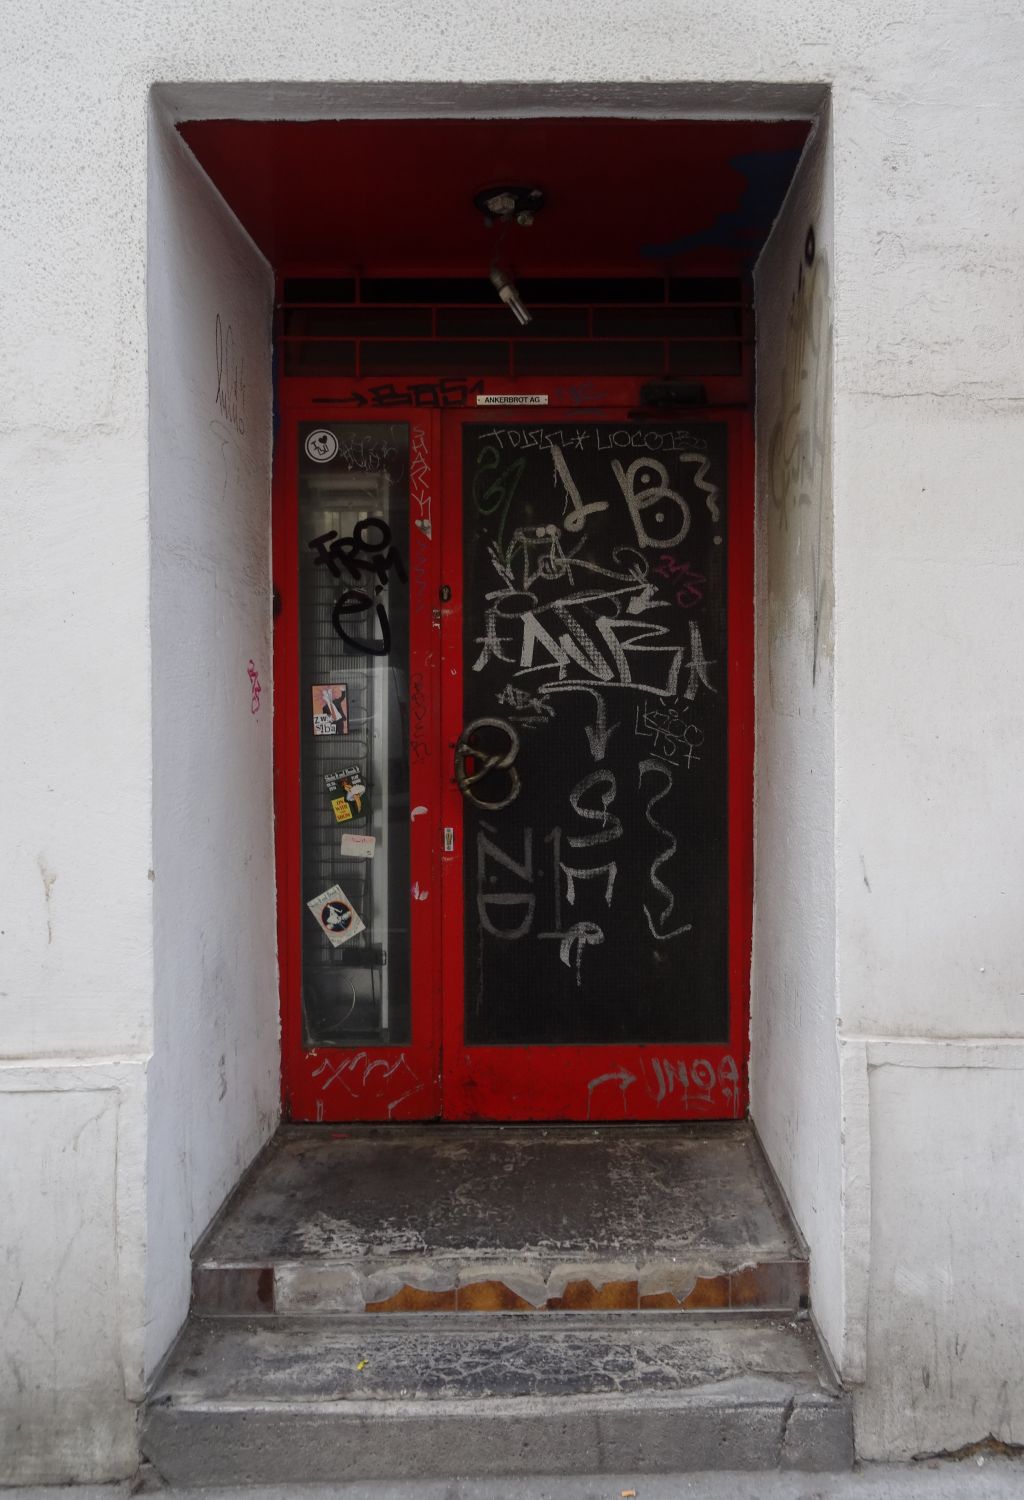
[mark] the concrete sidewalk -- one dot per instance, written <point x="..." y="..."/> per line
<point x="990" y="1479"/>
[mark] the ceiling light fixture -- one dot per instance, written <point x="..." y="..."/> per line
<point x="506" y="206"/>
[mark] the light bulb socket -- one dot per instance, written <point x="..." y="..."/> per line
<point x="505" y="289"/>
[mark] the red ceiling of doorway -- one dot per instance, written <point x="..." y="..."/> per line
<point x="387" y="196"/>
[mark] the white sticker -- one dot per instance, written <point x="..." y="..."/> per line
<point x="321" y="446"/>
<point x="512" y="400"/>
<point x="336" y="915"/>
<point x="358" y="845"/>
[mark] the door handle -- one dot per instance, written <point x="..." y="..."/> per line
<point x="484" y="764"/>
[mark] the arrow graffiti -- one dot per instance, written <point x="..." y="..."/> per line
<point x="598" y="733"/>
<point x="623" y="1077"/>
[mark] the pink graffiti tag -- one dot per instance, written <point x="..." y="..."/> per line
<point x="687" y="582"/>
<point x="254" y="683"/>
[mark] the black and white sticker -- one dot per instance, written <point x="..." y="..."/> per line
<point x="321" y="446"/>
<point x="336" y="916"/>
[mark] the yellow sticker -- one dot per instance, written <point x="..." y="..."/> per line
<point x="342" y="809"/>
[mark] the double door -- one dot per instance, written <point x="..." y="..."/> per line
<point x="513" y="715"/>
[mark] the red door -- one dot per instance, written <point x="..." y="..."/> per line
<point x="543" y="633"/>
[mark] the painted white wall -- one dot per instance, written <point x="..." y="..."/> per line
<point x="75" y="770"/>
<point x="928" y="131"/>
<point x="215" y="1074"/>
<point x="794" y="1052"/>
<point x="946" y="1247"/>
<point x="929" y="550"/>
<point x="72" y="1211"/>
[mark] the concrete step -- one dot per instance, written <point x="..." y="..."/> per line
<point x="291" y="1400"/>
<point x="525" y="1219"/>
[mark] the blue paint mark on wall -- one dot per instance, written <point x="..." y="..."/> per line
<point x="745" y="227"/>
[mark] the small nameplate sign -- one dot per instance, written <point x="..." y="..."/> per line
<point x="514" y="400"/>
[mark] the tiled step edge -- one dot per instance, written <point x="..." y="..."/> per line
<point x="314" y="1286"/>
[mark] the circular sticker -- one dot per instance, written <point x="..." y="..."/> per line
<point x="321" y="446"/>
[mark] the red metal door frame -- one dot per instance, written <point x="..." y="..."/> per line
<point x="362" y="1082"/>
<point x="404" y="1082"/>
<point x="619" y="1081"/>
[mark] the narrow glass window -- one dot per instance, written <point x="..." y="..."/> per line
<point x="354" y="662"/>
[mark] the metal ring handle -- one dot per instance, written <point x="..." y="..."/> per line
<point x="466" y="780"/>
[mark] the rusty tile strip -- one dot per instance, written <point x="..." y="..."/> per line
<point x="770" y="1284"/>
<point x="233" y="1289"/>
<point x="584" y="1296"/>
<point x="415" y="1299"/>
<point x="247" y="1290"/>
<point x="774" y="1285"/>
<point x="659" y="1301"/>
<point x="491" y="1296"/>
<point x="708" y="1291"/>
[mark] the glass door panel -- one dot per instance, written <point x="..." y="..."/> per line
<point x="354" y="668"/>
<point x="600" y="719"/>
<point x="357" y="769"/>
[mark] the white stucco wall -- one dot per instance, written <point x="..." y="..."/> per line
<point x="76" y="959"/>
<point x="73" y="1217"/>
<point x="215" y="1074"/>
<point x="928" y="133"/>
<point x="947" y="1245"/>
<point x="794" y="1051"/>
<point x="929" y="547"/>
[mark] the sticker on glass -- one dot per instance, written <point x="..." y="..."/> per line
<point x="358" y="845"/>
<point x="336" y="915"/>
<point x="330" y="708"/>
<point x="346" y="792"/>
<point x="321" y="446"/>
<point x="517" y="398"/>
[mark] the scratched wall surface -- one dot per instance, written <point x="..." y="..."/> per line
<point x="929" y="544"/>
<point x="214" y="1074"/>
<point x="72" y="1212"/>
<point x="794" y="1063"/>
<point x="943" y="1303"/>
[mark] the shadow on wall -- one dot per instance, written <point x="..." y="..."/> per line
<point x="800" y="466"/>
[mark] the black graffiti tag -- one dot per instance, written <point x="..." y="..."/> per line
<point x="431" y="393"/>
<point x="367" y="554"/>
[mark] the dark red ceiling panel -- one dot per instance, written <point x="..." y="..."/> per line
<point x="387" y="196"/>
